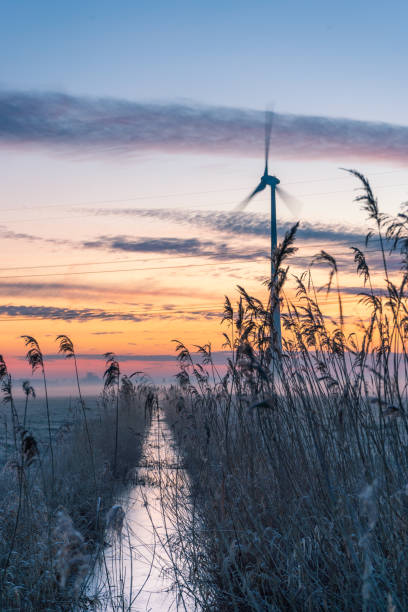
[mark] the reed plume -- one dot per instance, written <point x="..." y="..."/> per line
<point x="29" y="448"/>
<point x="66" y="346"/>
<point x="111" y="381"/>
<point x="28" y="390"/>
<point x="7" y="390"/>
<point x="35" y="358"/>
<point x="71" y="560"/>
<point x="114" y="520"/>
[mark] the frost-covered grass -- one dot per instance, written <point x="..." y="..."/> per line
<point x="297" y="488"/>
<point x="53" y="508"/>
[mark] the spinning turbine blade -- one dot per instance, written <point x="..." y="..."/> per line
<point x="294" y="205"/>
<point x="245" y="202"/>
<point x="268" y="130"/>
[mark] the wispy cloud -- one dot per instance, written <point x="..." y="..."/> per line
<point x="7" y="234"/>
<point x="108" y="124"/>
<point x="119" y="292"/>
<point x="170" y="246"/>
<point x="98" y="314"/>
<point x="240" y="224"/>
<point x="47" y="289"/>
<point x="192" y="246"/>
<point x="66" y="314"/>
<point x="100" y="357"/>
<point x="219" y="357"/>
<point x="106" y="333"/>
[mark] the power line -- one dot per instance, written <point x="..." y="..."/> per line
<point x="95" y="263"/>
<point x="255" y="254"/>
<point x="218" y="263"/>
<point x="348" y="299"/>
<point x="229" y="189"/>
<point x="80" y="215"/>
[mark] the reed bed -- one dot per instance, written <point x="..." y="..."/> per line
<point x="296" y="492"/>
<point x="57" y="494"/>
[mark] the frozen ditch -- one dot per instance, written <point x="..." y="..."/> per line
<point x="137" y="571"/>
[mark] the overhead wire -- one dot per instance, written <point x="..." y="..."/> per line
<point x="80" y="214"/>
<point x="192" y="193"/>
<point x="155" y="313"/>
<point x="225" y="261"/>
<point x="218" y="263"/>
<point x="100" y="262"/>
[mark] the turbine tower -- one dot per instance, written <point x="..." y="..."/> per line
<point x="293" y="205"/>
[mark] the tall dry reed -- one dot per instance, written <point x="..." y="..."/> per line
<point x="297" y="484"/>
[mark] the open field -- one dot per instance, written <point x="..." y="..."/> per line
<point x="59" y="480"/>
<point x="65" y="412"/>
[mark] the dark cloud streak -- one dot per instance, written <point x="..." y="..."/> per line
<point x="50" y="289"/>
<point x="193" y="247"/>
<point x="7" y="234"/>
<point x="241" y="224"/>
<point x="66" y="314"/>
<point x="219" y="357"/>
<point x="108" y="124"/>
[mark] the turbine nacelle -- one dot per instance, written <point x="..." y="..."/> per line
<point x="267" y="179"/>
<point x="272" y="182"/>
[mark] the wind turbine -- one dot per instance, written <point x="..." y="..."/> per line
<point x="292" y="204"/>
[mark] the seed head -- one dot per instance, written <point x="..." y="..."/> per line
<point x="114" y="519"/>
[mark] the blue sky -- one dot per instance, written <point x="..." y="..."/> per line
<point x="332" y="58"/>
<point x="335" y="59"/>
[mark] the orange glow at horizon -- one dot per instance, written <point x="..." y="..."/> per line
<point x="62" y="275"/>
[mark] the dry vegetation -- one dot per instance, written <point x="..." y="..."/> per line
<point x="295" y="495"/>
<point x="298" y="466"/>
<point x="56" y="494"/>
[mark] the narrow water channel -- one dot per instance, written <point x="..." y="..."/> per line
<point x="137" y="572"/>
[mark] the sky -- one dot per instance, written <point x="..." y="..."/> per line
<point x="129" y="131"/>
